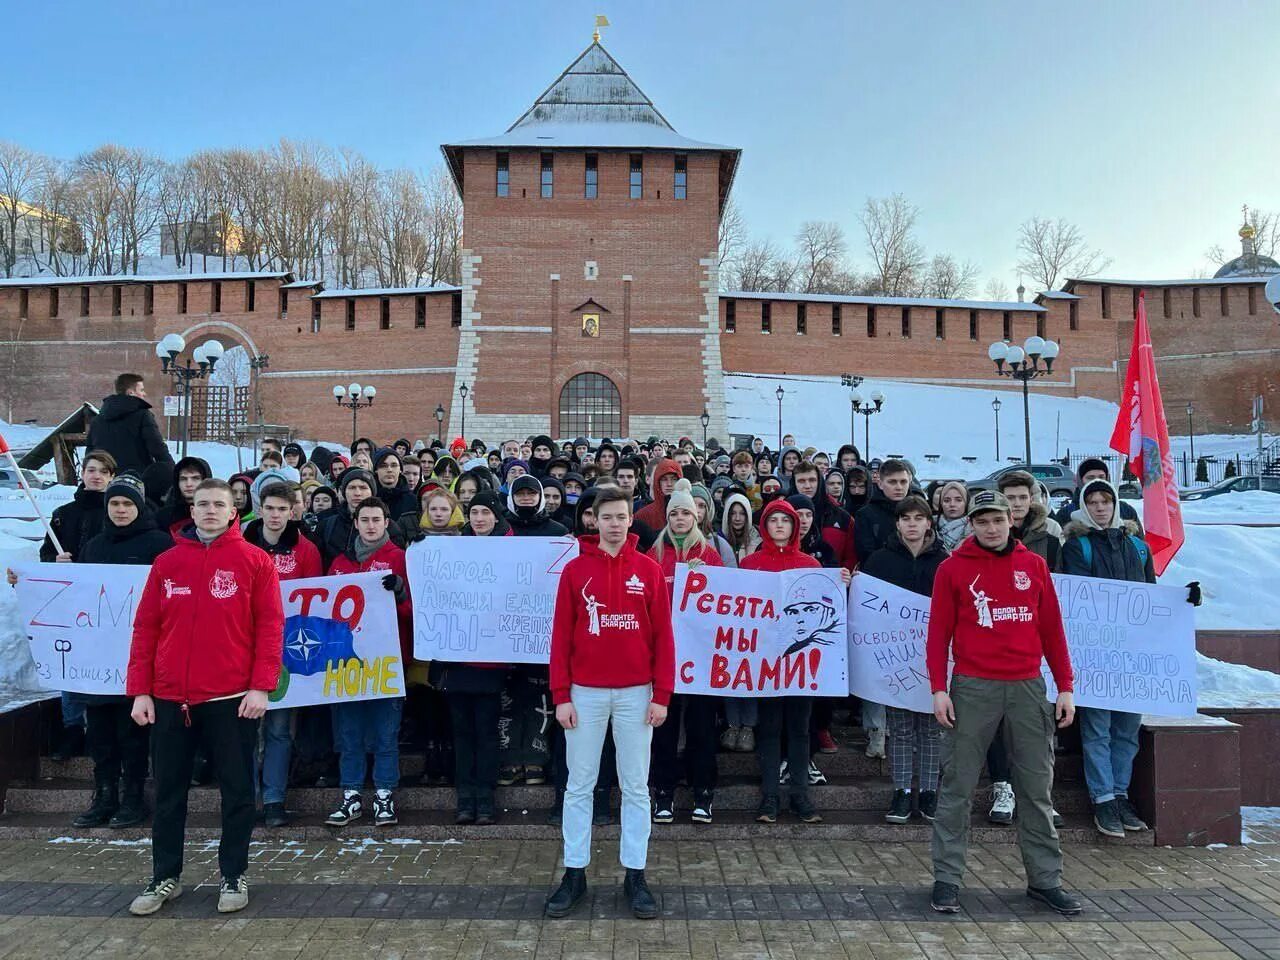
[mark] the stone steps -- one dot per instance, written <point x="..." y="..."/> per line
<point x="437" y="826"/>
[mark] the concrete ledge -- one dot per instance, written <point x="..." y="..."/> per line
<point x="1186" y="780"/>
<point x="1259" y="752"/>
<point x="1259" y="649"/>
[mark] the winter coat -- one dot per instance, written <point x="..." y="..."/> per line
<point x="1065" y="514"/>
<point x="75" y="523"/>
<point x="295" y="557"/>
<point x="612" y="623"/>
<point x="175" y="513"/>
<point x="1114" y="554"/>
<point x="210" y="623"/>
<point x="874" y="524"/>
<point x="389" y="558"/>
<point x="997" y="614"/>
<point x="704" y="554"/>
<point x="400" y="501"/>
<point x="654" y="515"/>
<point x="836" y="527"/>
<point x="126" y="428"/>
<point x="539" y="525"/>
<point x="895" y="564"/>
<point x="753" y="535"/>
<point x="772" y="557"/>
<point x="1041" y="534"/>
<point x="137" y="544"/>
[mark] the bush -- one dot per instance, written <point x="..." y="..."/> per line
<point x="1202" y="470"/>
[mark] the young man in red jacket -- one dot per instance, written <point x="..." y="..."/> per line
<point x="994" y="610"/>
<point x="207" y="644"/>
<point x="295" y="558"/>
<point x="612" y="659"/>
<point x="376" y="722"/>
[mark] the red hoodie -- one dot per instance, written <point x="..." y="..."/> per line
<point x="773" y="558"/>
<point x="390" y="559"/>
<point x="210" y="623"/>
<point x="612" y="625"/>
<point x="654" y="515"/>
<point x="998" y="615"/>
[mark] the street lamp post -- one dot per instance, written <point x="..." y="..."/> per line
<point x="995" y="405"/>
<point x="705" y="420"/>
<point x="1024" y="365"/>
<point x="198" y="366"/>
<point x="256" y="366"/>
<point x="354" y="398"/>
<point x="780" y="393"/>
<point x="462" y="392"/>
<point x="868" y="410"/>
<point x="1191" y="432"/>
<point x="853" y="382"/>
<point x="440" y="423"/>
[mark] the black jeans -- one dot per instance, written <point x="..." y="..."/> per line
<point x="475" y="745"/>
<point x="775" y="712"/>
<point x="116" y="744"/>
<point x="700" y="746"/>
<point x="229" y="741"/>
<point x="526" y="718"/>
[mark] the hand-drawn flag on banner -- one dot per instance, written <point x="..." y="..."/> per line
<point x="311" y="643"/>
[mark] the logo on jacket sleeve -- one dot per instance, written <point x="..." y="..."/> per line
<point x="593" y="609"/>
<point x="285" y="562"/>
<point x="172" y="589"/>
<point x="223" y="585"/>
<point x="635" y="584"/>
<point x="1021" y="580"/>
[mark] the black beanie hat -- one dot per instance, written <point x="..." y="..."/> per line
<point x="487" y="498"/>
<point x="801" y="502"/>
<point x="127" y="485"/>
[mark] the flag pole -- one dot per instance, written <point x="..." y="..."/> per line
<point x="22" y="482"/>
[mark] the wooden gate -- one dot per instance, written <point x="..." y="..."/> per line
<point x="218" y="411"/>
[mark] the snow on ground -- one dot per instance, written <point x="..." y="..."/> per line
<point x="918" y="420"/>
<point x="1239" y="573"/>
<point x="1235" y="685"/>
<point x="1248" y="506"/>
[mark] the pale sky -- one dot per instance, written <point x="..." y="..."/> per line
<point x="1148" y="124"/>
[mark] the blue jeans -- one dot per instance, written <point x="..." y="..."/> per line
<point x="277" y="751"/>
<point x="1110" y="740"/>
<point x="364" y="727"/>
<point x="72" y="710"/>
<point x="741" y="711"/>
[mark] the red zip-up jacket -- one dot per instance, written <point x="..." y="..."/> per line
<point x="390" y="559"/>
<point x="773" y="558"/>
<point x="997" y="614"/>
<point x="295" y="557"/>
<point x="612" y="624"/>
<point x="210" y="623"/>
<point x="706" y="554"/>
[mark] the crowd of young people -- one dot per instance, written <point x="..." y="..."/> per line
<point x="639" y="508"/>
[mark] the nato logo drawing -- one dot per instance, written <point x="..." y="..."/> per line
<point x="311" y="643"/>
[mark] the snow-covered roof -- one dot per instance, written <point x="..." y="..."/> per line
<point x="1057" y="295"/>
<point x="133" y="278"/>
<point x="1193" y="282"/>
<point x="885" y="301"/>
<point x="595" y="133"/>
<point x="381" y="292"/>
<point x="302" y="284"/>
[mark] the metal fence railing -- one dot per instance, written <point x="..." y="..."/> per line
<point x="1199" y="472"/>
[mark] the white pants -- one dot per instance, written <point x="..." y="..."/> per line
<point x="628" y="708"/>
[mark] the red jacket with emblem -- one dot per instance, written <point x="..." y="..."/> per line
<point x="612" y="624"/>
<point x="295" y="557"/>
<point x="997" y="614"/>
<point x="773" y="558"/>
<point x="209" y="624"/>
<point x="390" y="559"/>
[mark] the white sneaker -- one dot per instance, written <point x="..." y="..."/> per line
<point x="875" y="744"/>
<point x="350" y="809"/>
<point x="233" y="895"/>
<point x="816" y="776"/>
<point x="1002" y="804"/>
<point x="153" y="898"/>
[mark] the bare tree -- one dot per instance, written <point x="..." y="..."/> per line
<point x="820" y="249"/>
<point x="761" y="267"/>
<point x="58" y="200"/>
<point x="897" y="256"/>
<point x="996" y="290"/>
<point x="1266" y="239"/>
<point x="732" y="236"/>
<point x="1051" y="250"/>
<point x="20" y="171"/>
<point x="949" y="280"/>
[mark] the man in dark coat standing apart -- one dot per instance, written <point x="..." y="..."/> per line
<point x="126" y="428"/>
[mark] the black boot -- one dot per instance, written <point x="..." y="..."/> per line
<point x="573" y="887"/>
<point x="70" y="742"/>
<point x="643" y="906"/>
<point x="133" y="809"/>
<point x="105" y="802"/>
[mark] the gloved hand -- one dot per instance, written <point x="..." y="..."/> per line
<point x="1193" y="593"/>
<point x="395" y="584"/>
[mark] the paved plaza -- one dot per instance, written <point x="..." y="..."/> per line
<point x="729" y="900"/>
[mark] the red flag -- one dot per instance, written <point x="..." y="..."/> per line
<point x="1142" y="434"/>
<point x="4" y="446"/>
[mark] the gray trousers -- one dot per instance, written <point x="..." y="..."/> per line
<point x="1029" y="725"/>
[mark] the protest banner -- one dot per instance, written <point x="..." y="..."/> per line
<point x="341" y="640"/>
<point x="78" y="618"/>
<point x="1132" y="645"/>
<point x="485" y="599"/>
<point x="747" y="633"/>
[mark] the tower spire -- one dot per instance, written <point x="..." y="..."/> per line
<point x="601" y="21"/>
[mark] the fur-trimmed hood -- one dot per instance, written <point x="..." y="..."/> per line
<point x="1077" y="528"/>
